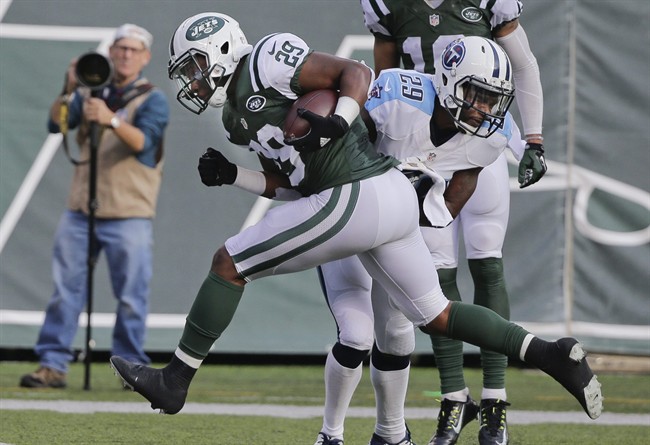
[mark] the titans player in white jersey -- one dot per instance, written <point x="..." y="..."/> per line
<point x="414" y="33"/>
<point x="443" y="149"/>
<point x="347" y="200"/>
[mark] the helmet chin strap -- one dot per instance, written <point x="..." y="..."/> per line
<point x="219" y="97"/>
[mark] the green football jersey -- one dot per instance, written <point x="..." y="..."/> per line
<point x="266" y="88"/>
<point x="422" y="32"/>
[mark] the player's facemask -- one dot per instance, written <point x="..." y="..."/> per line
<point x="199" y="85"/>
<point x="487" y="101"/>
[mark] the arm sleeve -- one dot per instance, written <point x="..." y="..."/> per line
<point x="528" y="86"/>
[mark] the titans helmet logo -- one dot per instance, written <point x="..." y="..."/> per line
<point x="453" y="55"/>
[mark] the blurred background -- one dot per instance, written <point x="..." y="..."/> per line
<point x="577" y="253"/>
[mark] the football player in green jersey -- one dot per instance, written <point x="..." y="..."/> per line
<point x="414" y="33"/>
<point x="344" y="199"/>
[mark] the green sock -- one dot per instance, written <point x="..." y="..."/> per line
<point x="490" y="291"/>
<point x="449" y="353"/>
<point x="485" y="328"/>
<point x="211" y="313"/>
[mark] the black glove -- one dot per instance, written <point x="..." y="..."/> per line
<point x="215" y="169"/>
<point x="422" y="184"/>
<point x="323" y="130"/>
<point x="532" y="165"/>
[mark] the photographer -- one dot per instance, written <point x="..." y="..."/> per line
<point x="131" y="116"/>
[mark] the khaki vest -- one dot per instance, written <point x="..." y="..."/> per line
<point x="126" y="188"/>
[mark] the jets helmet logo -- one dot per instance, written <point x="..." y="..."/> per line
<point x="204" y="27"/>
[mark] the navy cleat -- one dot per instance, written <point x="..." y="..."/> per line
<point x="565" y="361"/>
<point x="494" y="428"/>
<point x="165" y="392"/>
<point x="324" y="439"/>
<point x="452" y="418"/>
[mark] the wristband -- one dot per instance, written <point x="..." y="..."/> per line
<point x="535" y="146"/>
<point x="251" y="181"/>
<point x="347" y="108"/>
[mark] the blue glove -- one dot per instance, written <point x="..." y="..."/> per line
<point x="323" y="130"/>
<point x="215" y="169"/>
<point x="532" y="165"/>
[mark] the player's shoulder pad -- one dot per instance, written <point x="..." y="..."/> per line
<point x="505" y="11"/>
<point x="407" y="86"/>
<point x="270" y="46"/>
<point x="376" y="10"/>
<point x="274" y="61"/>
<point x="374" y="15"/>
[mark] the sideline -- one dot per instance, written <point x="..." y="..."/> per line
<point x="303" y="412"/>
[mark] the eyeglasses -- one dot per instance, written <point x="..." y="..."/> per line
<point x="125" y="49"/>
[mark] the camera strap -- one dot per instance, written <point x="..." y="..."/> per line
<point x="63" y="126"/>
<point x="141" y="86"/>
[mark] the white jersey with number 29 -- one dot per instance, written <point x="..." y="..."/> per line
<point x="401" y="104"/>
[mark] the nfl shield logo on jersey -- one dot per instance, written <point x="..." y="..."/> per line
<point x="434" y="19"/>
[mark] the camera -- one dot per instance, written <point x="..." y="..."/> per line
<point x="94" y="70"/>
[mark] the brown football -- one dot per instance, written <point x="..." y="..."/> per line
<point x="321" y="102"/>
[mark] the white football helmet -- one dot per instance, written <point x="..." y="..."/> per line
<point x="472" y="73"/>
<point x="203" y="54"/>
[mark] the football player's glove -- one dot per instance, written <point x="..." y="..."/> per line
<point x="323" y="130"/>
<point x="215" y="169"/>
<point x="422" y="184"/>
<point x="532" y="165"/>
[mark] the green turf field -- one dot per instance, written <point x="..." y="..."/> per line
<point x="303" y="386"/>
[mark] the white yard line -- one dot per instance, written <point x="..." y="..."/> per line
<point x="303" y="412"/>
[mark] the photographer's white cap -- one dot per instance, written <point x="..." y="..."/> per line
<point x="131" y="31"/>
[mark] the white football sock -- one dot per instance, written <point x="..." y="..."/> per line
<point x="390" y="395"/>
<point x="340" y="383"/>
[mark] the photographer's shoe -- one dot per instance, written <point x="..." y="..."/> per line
<point x="452" y="418"/>
<point x="565" y="361"/>
<point x="494" y="428"/>
<point x="44" y="377"/>
<point x="165" y="391"/>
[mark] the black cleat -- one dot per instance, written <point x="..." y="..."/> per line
<point x="164" y="392"/>
<point x="378" y="440"/>
<point x="452" y="418"/>
<point x="567" y="364"/>
<point x="494" y="428"/>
